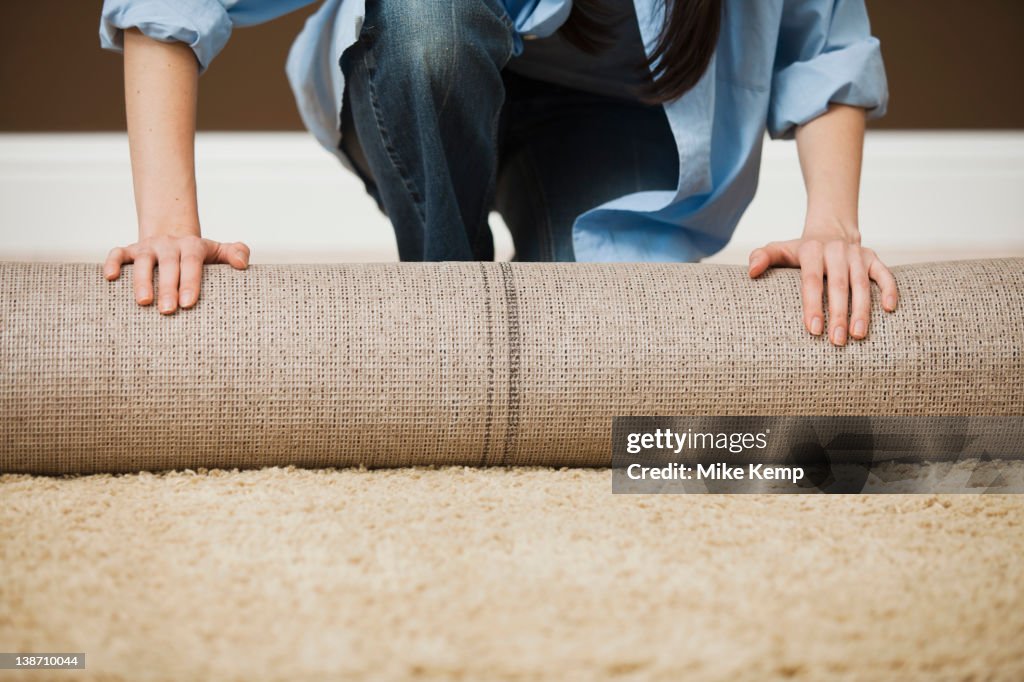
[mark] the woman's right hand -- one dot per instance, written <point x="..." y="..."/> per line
<point x="161" y="86"/>
<point x="179" y="261"/>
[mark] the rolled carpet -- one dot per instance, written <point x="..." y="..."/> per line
<point x="467" y="363"/>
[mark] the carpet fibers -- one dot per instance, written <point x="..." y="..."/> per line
<point x="502" y="574"/>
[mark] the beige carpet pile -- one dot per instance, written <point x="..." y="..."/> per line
<point x="503" y="574"/>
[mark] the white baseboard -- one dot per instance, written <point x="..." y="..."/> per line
<point x="69" y="197"/>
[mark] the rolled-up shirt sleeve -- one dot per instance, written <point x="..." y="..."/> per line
<point x="826" y="54"/>
<point x="204" y="25"/>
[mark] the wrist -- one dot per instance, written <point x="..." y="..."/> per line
<point x="168" y="227"/>
<point x="170" y="211"/>
<point x="826" y="228"/>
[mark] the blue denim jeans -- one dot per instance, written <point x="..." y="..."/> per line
<point x="441" y="134"/>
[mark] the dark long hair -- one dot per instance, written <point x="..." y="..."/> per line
<point x="684" y="48"/>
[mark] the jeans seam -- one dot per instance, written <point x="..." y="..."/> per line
<point x="482" y="222"/>
<point x="388" y="145"/>
<point x="506" y="19"/>
<point x="453" y="68"/>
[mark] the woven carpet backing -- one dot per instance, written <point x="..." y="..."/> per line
<point x="467" y="363"/>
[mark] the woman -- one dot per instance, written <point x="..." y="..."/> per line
<point x="601" y="130"/>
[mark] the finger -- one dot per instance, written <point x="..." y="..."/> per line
<point x="811" y="286"/>
<point x="241" y="260"/>
<point x="886" y="282"/>
<point x="860" y="292"/>
<point x="167" y="276"/>
<point x="112" y="266"/>
<point x="768" y="255"/>
<point x="143" y="277"/>
<point x="191" y="275"/>
<point x="837" y="272"/>
<point x="235" y="254"/>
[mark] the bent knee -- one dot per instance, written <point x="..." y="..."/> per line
<point x="433" y="37"/>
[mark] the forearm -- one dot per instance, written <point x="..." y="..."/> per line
<point x="161" y="84"/>
<point x="830" y="149"/>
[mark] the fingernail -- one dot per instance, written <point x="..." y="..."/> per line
<point x="166" y="305"/>
<point x="890" y="302"/>
<point x="187" y="297"/>
<point x="839" y="336"/>
<point x="816" y="325"/>
<point x="859" y="328"/>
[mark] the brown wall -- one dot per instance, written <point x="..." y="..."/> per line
<point x="948" y="67"/>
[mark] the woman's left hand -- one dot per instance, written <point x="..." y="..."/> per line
<point x="847" y="266"/>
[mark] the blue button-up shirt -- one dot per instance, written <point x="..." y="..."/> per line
<point x="778" y="64"/>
